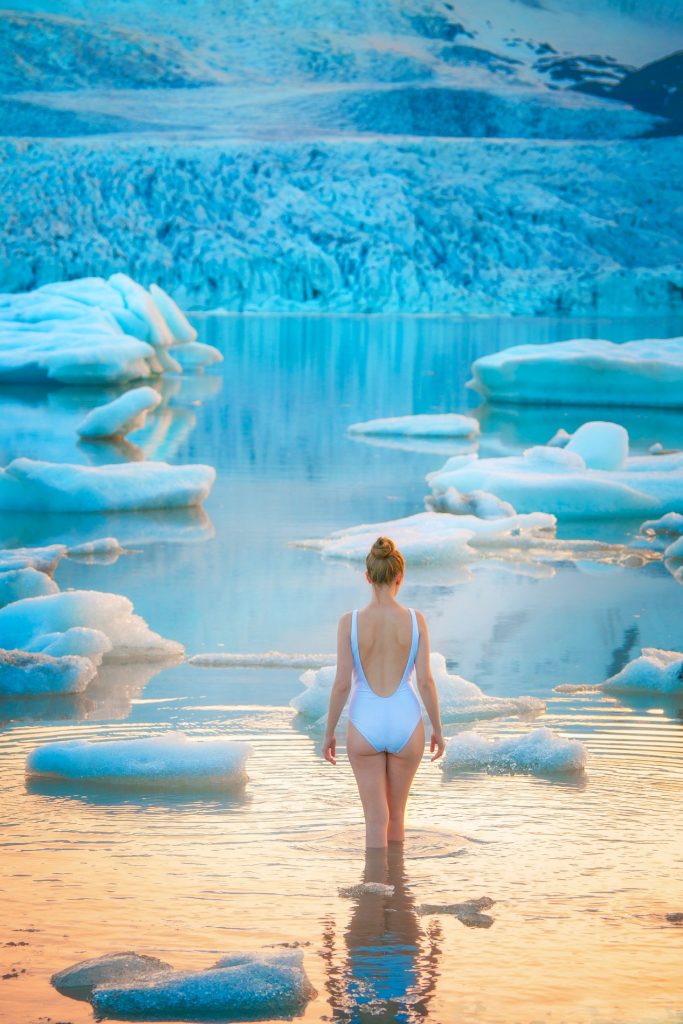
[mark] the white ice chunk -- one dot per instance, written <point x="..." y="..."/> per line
<point x="261" y="986"/>
<point x="79" y="640"/>
<point x="180" y="327"/>
<point x="44" y="559"/>
<point x="585" y="371"/>
<point x="432" y="537"/>
<point x="556" y="480"/>
<point x="124" y="414"/>
<point x="16" y="584"/>
<point x="31" y="673"/>
<point x="31" y="485"/>
<point x="269" y="659"/>
<point x="436" y="425"/>
<point x="655" y="670"/>
<point x="168" y="761"/>
<point x="538" y="752"/>
<point x="141" y="303"/>
<point x="103" y="548"/>
<point x="25" y="622"/>
<point x="601" y="445"/>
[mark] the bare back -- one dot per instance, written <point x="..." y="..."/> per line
<point x="384" y="640"/>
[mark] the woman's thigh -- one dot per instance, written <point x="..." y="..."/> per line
<point x="370" y="769"/>
<point x="401" y="769"/>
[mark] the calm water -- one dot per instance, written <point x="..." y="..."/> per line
<point x="582" y="870"/>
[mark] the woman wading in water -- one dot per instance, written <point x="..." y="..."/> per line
<point x="379" y="648"/>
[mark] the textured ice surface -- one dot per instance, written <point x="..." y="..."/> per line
<point x="79" y="981"/>
<point x="168" y="761"/>
<point x="124" y="414"/>
<point x="31" y="485"/>
<point x="83" y="641"/>
<point x="478" y="503"/>
<point x="44" y="559"/>
<point x="93" y="331"/>
<point x="102" y="549"/>
<point x="557" y="480"/>
<point x="35" y="621"/>
<point x="269" y="659"/>
<point x="431" y="225"/>
<point x="460" y="700"/>
<point x="260" y="986"/>
<point x="444" y="425"/>
<point x="366" y="889"/>
<point x="18" y="583"/>
<point x="647" y="372"/>
<point x="469" y="911"/>
<point x="655" y="670"/>
<point x="431" y="537"/>
<point x="31" y="673"/>
<point x="537" y="753"/>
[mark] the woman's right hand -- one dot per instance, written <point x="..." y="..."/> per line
<point x="437" y="745"/>
<point x="329" y="749"/>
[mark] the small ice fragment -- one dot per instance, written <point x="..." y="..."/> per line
<point x="478" y="503"/>
<point x="366" y="889"/>
<point x="25" y="673"/>
<point x="537" y="753"/>
<point x="559" y="439"/>
<point x="469" y="912"/>
<point x="121" y="416"/>
<point x="431" y="425"/>
<point x="269" y="659"/>
<point x="655" y="670"/>
<point x="168" y="761"/>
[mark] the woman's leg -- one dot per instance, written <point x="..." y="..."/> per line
<point x="401" y="770"/>
<point x="370" y="768"/>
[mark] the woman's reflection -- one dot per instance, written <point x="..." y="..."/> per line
<point x="388" y="969"/>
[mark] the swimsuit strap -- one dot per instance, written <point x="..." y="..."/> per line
<point x="414" y="643"/>
<point x="354" y="642"/>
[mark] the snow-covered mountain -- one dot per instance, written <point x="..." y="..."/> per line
<point x="264" y="154"/>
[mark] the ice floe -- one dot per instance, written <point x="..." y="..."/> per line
<point x="25" y="673"/>
<point x="94" y="331"/>
<point x="16" y="584"/>
<point x="123" y="415"/>
<point x="432" y="537"/>
<point x="538" y="752"/>
<point x="31" y="485"/>
<point x="37" y="623"/>
<point x="585" y="371"/>
<point x="432" y="426"/>
<point x="655" y="670"/>
<point x="168" y="761"/>
<point x="460" y="700"/>
<point x="269" y="659"/>
<point x="262" y="985"/>
<point x="559" y="480"/>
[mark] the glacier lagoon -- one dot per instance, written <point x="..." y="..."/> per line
<point x="581" y="868"/>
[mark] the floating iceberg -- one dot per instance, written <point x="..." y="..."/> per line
<point x="93" y="331"/>
<point x="126" y="413"/>
<point x="655" y="670"/>
<point x="432" y="537"/>
<point x="478" y="503"/>
<point x="31" y="673"/>
<point x="460" y="700"/>
<point x="16" y="584"/>
<point x="268" y="984"/>
<point x="585" y="371"/>
<point x="539" y="752"/>
<point x="36" y="623"/>
<point x="43" y="559"/>
<point x="31" y="485"/>
<point x="169" y="761"/>
<point x="269" y="659"/>
<point x="103" y="549"/>
<point x="243" y="986"/>
<point x="434" y="426"/>
<point x="561" y="481"/>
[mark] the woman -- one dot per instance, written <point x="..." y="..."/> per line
<point x="386" y="738"/>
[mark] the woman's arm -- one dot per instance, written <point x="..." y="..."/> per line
<point x="340" y="688"/>
<point x="427" y="688"/>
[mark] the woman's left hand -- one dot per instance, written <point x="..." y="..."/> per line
<point x="329" y="749"/>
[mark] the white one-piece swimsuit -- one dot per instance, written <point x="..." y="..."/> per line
<point x="387" y="723"/>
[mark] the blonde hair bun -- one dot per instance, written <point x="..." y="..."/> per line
<point x="383" y="547"/>
<point x="384" y="562"/>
